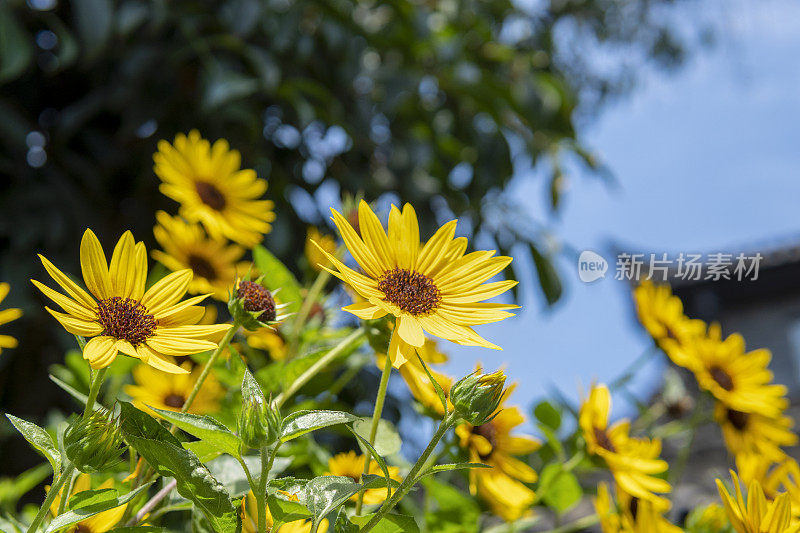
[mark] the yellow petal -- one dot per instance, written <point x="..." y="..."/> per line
<point x="100" y="351"/>
<point x="67" y="304"/>
<point x="360" y="252"/>
<point x="410" y="330"/>
<point x="159" y="361"/>
<point x="77" y="326"/>
<point x="67" y="284"/>
<point x="436" y="248"/>
<point x="374" y="236"/>
<point x="94" y="266"/>
<point x="166" y="291"/>
<point x="365" y="310"/>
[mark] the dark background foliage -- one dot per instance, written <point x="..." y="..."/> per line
<point x="437" y="102"/>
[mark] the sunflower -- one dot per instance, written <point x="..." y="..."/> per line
<point x="169" y="392"/>
<point x="120" y="316"/>
<point x="351" y="465"/>
<point x="662" y="316"/>
<point x="250" y="519"/>
<point x="632" y="461"/>
<point x="268" y="340"/>
<point x="757" y="515"/>
<point x="632" y="515"/>
<point x="739" y="380"/>
<point x="213" y="262"/>
<point x="6" y="316"/>
<point x="754" y="432"/>
<point x="327" y="243"/>
<point x="212" y="188"/>
<point x="99" y="523"/>
<point x="433" y="287"/>
<point x="774" y="476"/>
<point x="503" y="486"/>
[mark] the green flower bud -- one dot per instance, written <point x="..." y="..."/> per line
<point x="476" y="397"/>
<point x="253" y="306"/>
<point x="258" y="423"/>
<point x="94" y="442"/>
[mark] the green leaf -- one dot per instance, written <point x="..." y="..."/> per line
<point x="548" y="415"/>
<point x="72" y="391"/>
<point x="387" y="440"/>
<point x="391" y="523"/>
<point x="138" y="529"/>
<point x="438" y="388"/>
<point x="548" y="276"/>
<point x="435" y="469"/>
<point x="204" y="451"/>
<point x="450" y="510"/>
<point x="16" y="51"/>
<point x="372" y="451"/>
<point x="302" y="422"/>
<point x="250" y="387"/>
<point x="93" y="503"/>
<point x="325" y="494"/>
<point x="40" y="440"/>
<point x="164" y="452"/>
<point x="284" y="511"/>
<point x="277" y="276"/>
<point x="205" y="428"/>
<point x="558" y="488"/>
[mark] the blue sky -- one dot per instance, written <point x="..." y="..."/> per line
<point x="706" y="160"/>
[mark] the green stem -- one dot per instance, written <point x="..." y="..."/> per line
<point x="308" y="303"/>
<point x="209" y="364"/>
<point x="62" y="504"/>
<point x="412" y="477"/>
<point x="51" y="495"/>
<point x="321" y="363"/>
<point x="94" y="388"/>
<point x="578" y="525"/>
<point x="376" y="417"/>
<point x="267" y="459"/>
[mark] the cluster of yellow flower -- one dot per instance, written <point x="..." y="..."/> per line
<point x="749" y="408"/>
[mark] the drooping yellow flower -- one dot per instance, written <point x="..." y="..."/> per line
<point x="632" y="461"/>
<point x="99" y="523"/>
<point x="755" y="433"/>
<point x="503" y="486"/>
<point x="631" y="516"/>
<point x="757" y="515"/>
<point x="433" y="287"/>
<point x="250" y="512"/>
<point x="349" y="464"/>
<point x="315" y="258"/>
<point x="739" y="380"/>
<point x="6" y="316"/>
<point x="169" y="392"/>
<point x="662" y="316"/>
<point x="214" y="263"/>
<point x="120" y="316"/>
<point x="268" y="340"/>
<point x="213" y="189"/>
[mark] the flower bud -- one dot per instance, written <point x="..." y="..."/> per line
<point x="94" y="442"/>
<point x="476" y="397"/>
<point x="253" y="305"/>
<point x="258" y="424"/>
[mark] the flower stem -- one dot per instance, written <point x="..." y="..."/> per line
<point x="209" y="364"/>
<point x="323" y="361"/>
<point x="94" y="388"/>
<point x="412" y="477"/>
<point x="267" y="459"/>
<point x="51" y="495"/>
<point x="62" y="504"/>
<point x="311" y="297"/>
<point x="376" y="417"/>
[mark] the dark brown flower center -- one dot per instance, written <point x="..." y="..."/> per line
<point x="738" y="419"/>
<point x="489" y="432"/>
<point x="722" y="378"/>
<point x="126" y="319"/>
<point x="257" y="298"/>
<point x="174" y="400"/>
<point x="210" y="195"/>
<point x="412" y="292"/>
<point x="202" y="267"/>
<point x="603" y="440"/>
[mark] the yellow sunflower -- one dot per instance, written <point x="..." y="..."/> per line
<point x="316" y="259"/>
<point x="739" y="380"/>
<point x="268" y="340"/>
<point x="774" y="476"/>
<point x="169" y="392"/>
<point x="632" y="461"/>
<point x="214" y="262"/>
<point x="350" y="464"/>
<point x="755" y="433"/>
<point x="99" y="523"/>
<point x="250" y="519"/>
<point x="631" y="516"/>
<point x="757" y="515"/>
<point x="433" y="287"/>
<point x="662" y="316"/>
<point x="6" y="316"/>
<point x="503" y="486"/>
<point x="213" y="189"/>
<point x="120" y="316"/>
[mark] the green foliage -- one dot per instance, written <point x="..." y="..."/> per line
<point x="278" y="278"/>
<point x="205" y="428"/>
<point x="559" y="488"/>
<point x="301" y="422"/>
<point x="391" y="523"/>
<point x="89" y="503"/>
<point x="40" y="440"/>
<point x="451" y="510"/>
